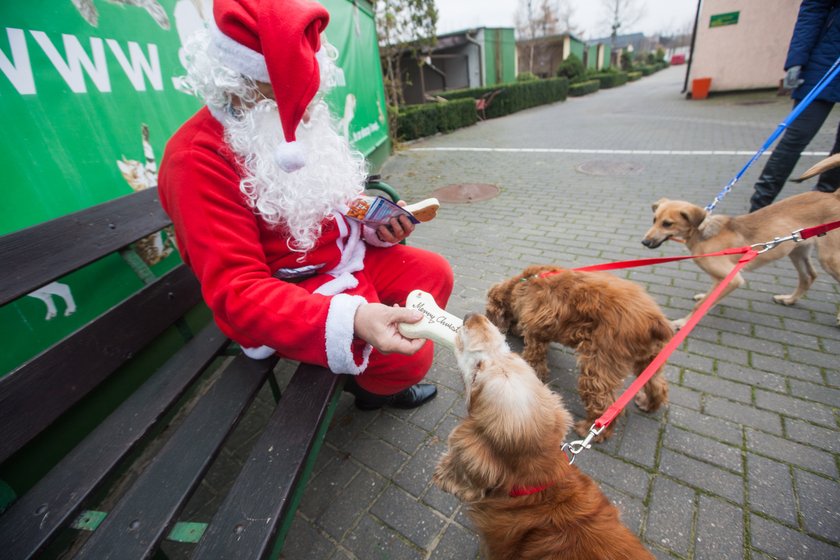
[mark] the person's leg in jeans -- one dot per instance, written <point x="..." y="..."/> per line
<point x="830" y="180"/>
<point x="786" y="153"/>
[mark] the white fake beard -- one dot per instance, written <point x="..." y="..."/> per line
<point x="299" y="201"/>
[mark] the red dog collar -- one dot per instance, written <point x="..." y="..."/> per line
<point x="517" y="491"/>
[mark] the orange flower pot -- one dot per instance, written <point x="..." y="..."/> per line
<point x="700" y="88"/>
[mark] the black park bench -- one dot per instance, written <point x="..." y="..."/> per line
<point x="120" y="491"/>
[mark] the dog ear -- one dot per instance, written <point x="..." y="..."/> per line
<point x="497" y="308"/>
<point x="658" y="203"/>
<point x="468" y="469"/>
<point x="694" y="215"/>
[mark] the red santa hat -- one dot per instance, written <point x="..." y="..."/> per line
<point x="275" y="41"/>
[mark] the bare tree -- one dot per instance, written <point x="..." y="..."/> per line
<point x="537" y="18"/>
<point x="547" y="18"/>
<point x="621" y="14"/>
<point x="565" y="24"/>
<point x="403" y="26"/>
<point x="524" y="20"/>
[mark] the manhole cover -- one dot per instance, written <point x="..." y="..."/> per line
<point x="466" y="192"/>
<point x="610" y="168"/>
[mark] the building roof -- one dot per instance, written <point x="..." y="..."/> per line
<point x="621" y="41"/>
<point x="550" y="38"/>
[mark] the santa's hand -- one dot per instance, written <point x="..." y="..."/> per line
<point x="395" y="230"/>
<point x="377" y="324"/>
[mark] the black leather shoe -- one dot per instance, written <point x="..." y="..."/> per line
<point x="412" y="397"/>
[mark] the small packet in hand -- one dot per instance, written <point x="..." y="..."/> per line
<point x="376" y="211"/>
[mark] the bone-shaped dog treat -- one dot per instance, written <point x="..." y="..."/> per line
<point x="436" y="324"/>
<point x="424" y="210"/>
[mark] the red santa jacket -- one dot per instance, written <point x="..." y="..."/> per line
<point x="238" y="258"/>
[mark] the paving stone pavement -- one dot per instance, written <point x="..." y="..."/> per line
<point x="744" y="461"/>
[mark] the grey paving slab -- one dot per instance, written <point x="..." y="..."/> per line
<point x="744" y="461"/>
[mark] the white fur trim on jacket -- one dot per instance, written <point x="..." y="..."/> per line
<point x="371" y="238"/>
<point x="339" y="337"/>
<point x="237" y="56"/>
<point x="258" y="352"/>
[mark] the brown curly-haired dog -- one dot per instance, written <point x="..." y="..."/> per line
<point x="615" y="327"/>
<point x="504" y="461"/>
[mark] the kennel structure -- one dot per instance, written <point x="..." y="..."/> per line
<point x="469" y="58"/>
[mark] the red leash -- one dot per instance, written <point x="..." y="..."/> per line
<point x="749" y="253"/>
<point x="615" y="409"/>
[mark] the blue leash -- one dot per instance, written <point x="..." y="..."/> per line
<point x="824" y="81"/>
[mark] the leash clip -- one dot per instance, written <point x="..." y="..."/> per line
<point x="796" y="237"/>
<point x="579" y="445"/>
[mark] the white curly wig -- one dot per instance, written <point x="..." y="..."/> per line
<point x="301" y="201"/>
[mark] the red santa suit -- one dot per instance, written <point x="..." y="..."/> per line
<point x="263" y="294"/>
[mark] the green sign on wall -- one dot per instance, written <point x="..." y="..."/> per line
<point x="89" y="98"/>
<point x="719" y="20"/>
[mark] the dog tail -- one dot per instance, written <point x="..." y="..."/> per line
<point x="828" y="163"/>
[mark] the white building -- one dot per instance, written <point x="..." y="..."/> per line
<point x="741" y="44"/>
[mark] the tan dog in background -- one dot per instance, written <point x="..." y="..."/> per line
<point x="704" y="233"/>
<point x="505" y="460"/>
<point x="615" y="327"/>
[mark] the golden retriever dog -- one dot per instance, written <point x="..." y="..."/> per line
<point x="615" y="327"/>
<point x="505" y="461"/>
<point x="704" y="233"/>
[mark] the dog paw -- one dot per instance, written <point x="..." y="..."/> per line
<point x="784" y="300"/>
<point x="699" y="297"/>
<point x="677" y="324"/>
<point x="642" y="401"/>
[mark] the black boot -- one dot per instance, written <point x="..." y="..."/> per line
<point x="412" y="397"/>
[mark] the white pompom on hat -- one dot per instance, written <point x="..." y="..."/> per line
<point x="275" y="41"/>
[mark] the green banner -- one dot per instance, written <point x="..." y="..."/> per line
<point x="359" y="99"/>
<point x="719" y="20"/>
<point x="90" y="96"/>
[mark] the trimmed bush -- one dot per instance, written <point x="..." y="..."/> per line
<point x="417" y="121"/>
<point x="610" y="79"/>
<point x="527" y="77"/>
<point x="572" y="68"/>
<point x="633" y="76"/>
<point x="584" y="88"/>
<point x="515" y="96"/>
<point x="646" y="70"/>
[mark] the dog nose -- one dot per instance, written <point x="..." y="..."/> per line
<point x="646" y="242"/>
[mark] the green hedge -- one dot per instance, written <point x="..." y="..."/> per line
<point x="515" y="96"/>
<point x="610" y="79"/>
<point x="417" y="121"/>
<point x="648" y="69"/>
<point x="584" y="88"/>
<point x="633" y="76"/>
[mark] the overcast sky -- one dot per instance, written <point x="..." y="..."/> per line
<point x="588" y="15"/>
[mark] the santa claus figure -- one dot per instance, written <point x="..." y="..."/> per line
<point x="257" y="183"/>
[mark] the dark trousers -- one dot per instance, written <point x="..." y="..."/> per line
<point x="784" y="157"/>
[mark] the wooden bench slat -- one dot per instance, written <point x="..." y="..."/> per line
<point x="77" y="364"/>
<point x="59" y="496"/>
<point x="139" y="520"/>
<point x="38" y="255"/>
<point x="247" y="521"/>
